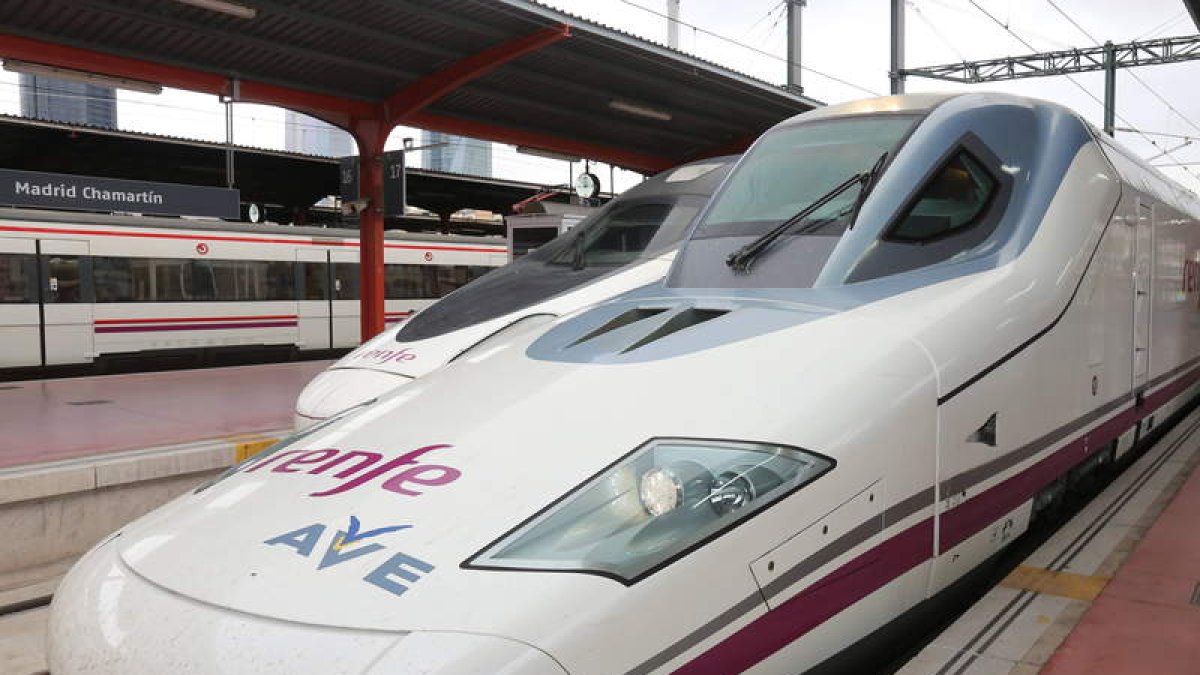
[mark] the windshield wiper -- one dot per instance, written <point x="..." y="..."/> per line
<point x="868" y="185"/>
<point x="741" y="259"/>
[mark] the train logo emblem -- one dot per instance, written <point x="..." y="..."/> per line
<point x="202" y="248"/>
<point x="428" y="256"/>
<point x="395" y="575"/>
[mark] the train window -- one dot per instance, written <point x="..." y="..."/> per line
<point x="242" y="280"/>
<point x="345" y="281"/>
<point x="280" y="280"/>
<point x="18" y="278"/>
<point x="114" y="279"/>
<point x="172" y="280"/>
<point x="449" y="278"/>
<point x="403" y="282"/>
<point x="314" y="277"/>
<point x="628" y="233"/>
<point x="64" y="282"/>
<point x="951" y="201"/>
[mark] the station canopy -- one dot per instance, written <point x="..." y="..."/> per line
<point x="504" y="70"/>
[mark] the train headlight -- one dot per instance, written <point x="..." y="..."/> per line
<point x="658" y="503"/>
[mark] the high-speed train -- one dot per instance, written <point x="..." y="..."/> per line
<point x="898" y="330"/>
<point x="627" y="244"/>
<point x="83" y="288"/>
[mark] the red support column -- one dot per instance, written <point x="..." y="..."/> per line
<point x="370" y="134"/>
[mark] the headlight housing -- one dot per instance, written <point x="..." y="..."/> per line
<point x="658" y="503"/>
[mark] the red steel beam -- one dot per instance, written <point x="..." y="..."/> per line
<point x="370" y="134"/>
<point x="625" y="158"/>
<point x="434" y="86"/>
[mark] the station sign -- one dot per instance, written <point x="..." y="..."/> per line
<point x="395" y="184"/>
<point x="395" y="187"/>
<point x="91" y="193"/>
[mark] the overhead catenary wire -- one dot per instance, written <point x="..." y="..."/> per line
<point x="751" y="48"/>
<point x="933" y="29"/>
<point x="1136" y="78"/>
<point x="1074" y="81"/>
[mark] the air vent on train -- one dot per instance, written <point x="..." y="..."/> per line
<point x="685" y="319"/>
<point x="620" y="321"/>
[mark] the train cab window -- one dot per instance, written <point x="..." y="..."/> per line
<point x="952" y="200"/>
<point x="64" y="282"/>
<point x="628" y="233"/>
<point x="18" y="280"/>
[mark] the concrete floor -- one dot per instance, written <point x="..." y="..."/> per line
<point x="23" y="642"/>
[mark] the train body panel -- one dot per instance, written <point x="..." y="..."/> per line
<point x="815" y="423"/>
<point x="81" y="287"/>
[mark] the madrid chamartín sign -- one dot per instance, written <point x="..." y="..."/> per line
<point x="90" y="193"/>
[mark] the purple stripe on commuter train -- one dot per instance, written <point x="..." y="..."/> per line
<point x="194" y="326"/>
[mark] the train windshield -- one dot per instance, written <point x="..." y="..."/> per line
<point x="791" y="169"/>
<point x="625" y="231"/>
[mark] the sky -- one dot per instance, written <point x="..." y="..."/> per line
<point x="845" y="52"/>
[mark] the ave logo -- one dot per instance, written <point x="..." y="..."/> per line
<point x="395" y="575"/>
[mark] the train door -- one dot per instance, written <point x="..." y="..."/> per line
<point x="344" y="287"/>
<point x="20" y="324"/>
<point x="67" y="303"/>
<point x="1143" y="263"/>
<point x="314" y="304"/>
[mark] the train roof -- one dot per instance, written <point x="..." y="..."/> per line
<point x="160" y="222"/>
<point x="701" y="177"/>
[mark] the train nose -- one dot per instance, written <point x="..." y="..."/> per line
<point x="339" y="389"/>
<point x="105" y="619"/>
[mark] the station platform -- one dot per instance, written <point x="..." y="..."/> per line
<point x="1113" y="591"/>
<point x="52" y="420"/>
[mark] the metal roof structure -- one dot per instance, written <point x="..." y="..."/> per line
<point x="1193" y="8"/>
<point x="512" y="71"/>
<point x="505" y="70"/>
<point x="274" y="178"/>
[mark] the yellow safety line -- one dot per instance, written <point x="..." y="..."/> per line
<point x="243" y="450"/>
<point x="1063" y="584"/>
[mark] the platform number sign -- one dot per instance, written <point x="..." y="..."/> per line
<point x="395" y="188"/>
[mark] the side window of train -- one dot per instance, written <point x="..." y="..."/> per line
<point x="18" y="278"/>
<point x="314" y="281"/>
<point x="953" y="199"/>
<point x="405" y="282"/>
<point x="114" y="279"/>
<point x="65" y="279"/>
<point x="345" y="281"/>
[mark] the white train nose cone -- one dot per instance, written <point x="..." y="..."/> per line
<point x="333" y="391"/>
<point x="108" y="620"/>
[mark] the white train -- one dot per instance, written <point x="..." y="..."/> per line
<point x="627" y="244"/>
<point x="830" y="410"/>
<point x="75" y="288"/>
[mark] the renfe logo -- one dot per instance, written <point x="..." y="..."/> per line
<point x="402" y="475"/>
<point x="387" y="355"/>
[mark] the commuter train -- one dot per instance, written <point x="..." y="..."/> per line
<point x="627" y="244"/>
<point x="75" y="288"/>
<point x="897" y="331"/>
